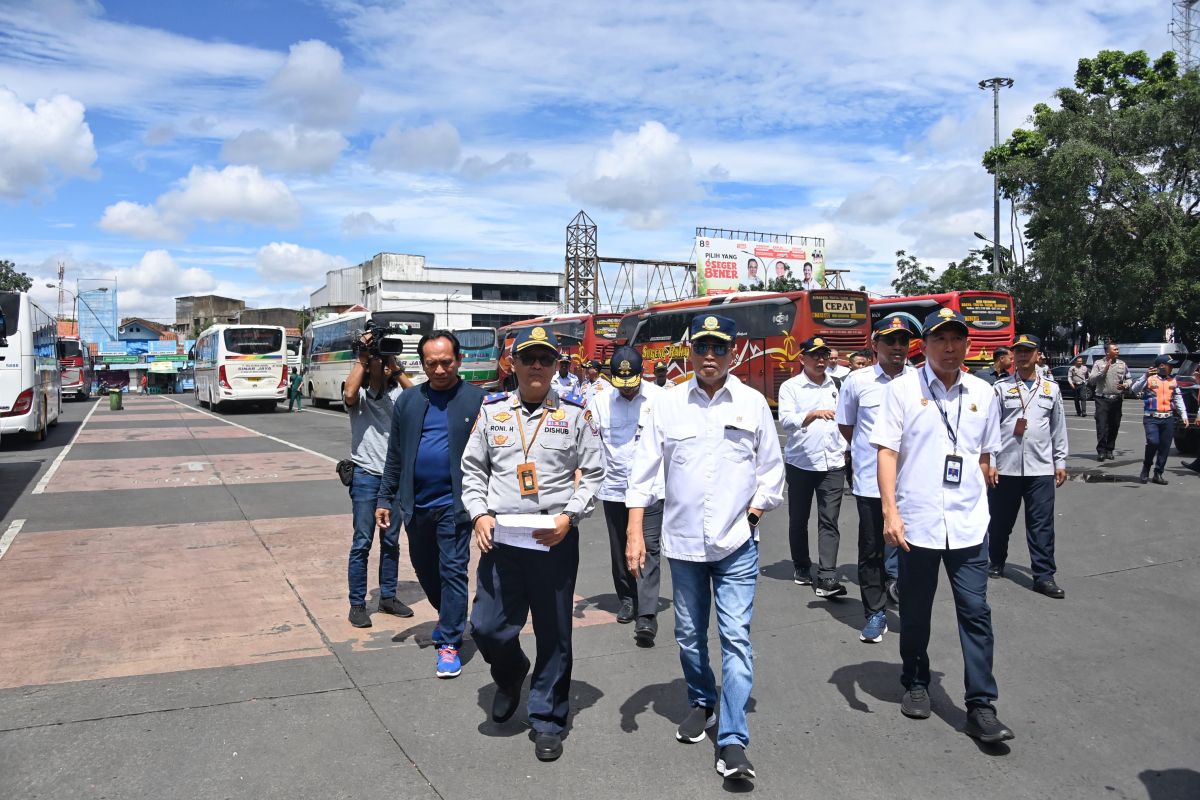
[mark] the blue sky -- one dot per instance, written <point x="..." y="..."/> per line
<point x="246" y="147"/>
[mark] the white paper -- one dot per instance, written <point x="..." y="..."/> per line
<point x="517" y="530"/>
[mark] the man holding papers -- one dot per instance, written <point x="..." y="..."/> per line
<point x="521" y="460"/>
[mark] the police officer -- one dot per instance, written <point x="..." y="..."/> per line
<point x="565" y="382"/>
<point x="522" y="458"/>
<point x="660" y="374"/>
<point x="593" y="382"/>
<point x="1032" y="462"/>
<point x="1077" y="376"/>
<point x="1108" y="380"/>
<point x="1161" y="398"/>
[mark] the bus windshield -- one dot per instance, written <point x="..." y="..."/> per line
<point x="69" y="348"/>
<point x="10" y="312"/>
<point x="253" y="341"/>
<point x="477" y="339"/>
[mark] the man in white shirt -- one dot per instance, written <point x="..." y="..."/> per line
<point x="936" y="432"/>
<point x="593" y="382"/>
<point x="836" y="368"/>
<point x="714" y="442"/>
<point x="857" y="412"/>
<point x="621" y="415"/>
<point x="816" y="464"/>
<point x="564" y="382"/>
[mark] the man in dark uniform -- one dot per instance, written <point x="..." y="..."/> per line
<point x="1002" y="362"/>
<point x="1161" y="398"/>
<point x="522" y="458"/>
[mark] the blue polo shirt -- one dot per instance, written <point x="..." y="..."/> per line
<point x="431" y="472"/>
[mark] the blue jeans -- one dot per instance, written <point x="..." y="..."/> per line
<point x="439" y="550"/>
<point x="363" y="495"/>
<point x="732" y="580"/>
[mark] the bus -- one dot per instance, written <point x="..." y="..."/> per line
<point x="240" y="365"/>
<point x="75" y="364"/>
<point x="327" y="347"/>
<point x="989" y="315"/>
<point x="30" y="381"/>
<point x="771" y="326"/>
<point x="480" y="356"/>
<point x="295" y="350"/>
<point x="583" y="337"/>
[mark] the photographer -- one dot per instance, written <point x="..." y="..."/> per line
<point x="370" y="410"/>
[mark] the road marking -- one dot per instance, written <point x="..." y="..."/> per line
<point x="284" y="442"/>
<point x="319" y="411"/>
<point x="13" y="529"/>
<point x="45" y="481"/>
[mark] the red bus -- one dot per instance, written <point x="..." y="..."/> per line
<point x="75" y="364"/>
<point x="581" y="336"/>
<point x="770" y="328"/>
<point x="989" y="315"/>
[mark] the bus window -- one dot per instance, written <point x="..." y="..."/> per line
<point x="253" y="341"/>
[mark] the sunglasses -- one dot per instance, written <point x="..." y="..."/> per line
<point x="545" y="359"/>
<point x="704" y="348"/>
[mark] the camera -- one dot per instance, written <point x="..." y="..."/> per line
<point x="385" y="339"/>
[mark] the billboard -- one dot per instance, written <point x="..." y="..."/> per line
<point x="724" y="264"/>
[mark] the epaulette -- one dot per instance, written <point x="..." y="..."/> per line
<point x="494" y="397"/>
<point x="573" y="399"/>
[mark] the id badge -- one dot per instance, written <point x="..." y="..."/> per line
<point x="1019" y="427"/>
<point x="952" y="472"/>
<point x="527" y="478"/>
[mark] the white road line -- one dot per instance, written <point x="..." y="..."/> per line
<point x="45" y="481"/>
<point x="258" y="433"/>
<point x="13" y="529"/>
<point x="326" y="413"/>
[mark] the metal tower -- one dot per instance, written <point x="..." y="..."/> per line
<point x="582" y="291"/>
<point x="1185" y="32"/>
<point x="62" y="294"/>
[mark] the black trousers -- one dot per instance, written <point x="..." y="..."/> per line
<point x="1159" y="435"/>
<point x="802" y="484"/>
<point x="511" y="583"/>
<point x="1081" y="396"/>
<point x="871" y="567"/>
<point x="1108" y="423"/>
<point x="643" y="592"/>
<point x="1004" y="501"/>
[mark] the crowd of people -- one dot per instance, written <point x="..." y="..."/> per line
<point x="940" y="462"/>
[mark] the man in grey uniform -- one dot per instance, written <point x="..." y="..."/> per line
<point x="521" y="458"/>
<point x="1032" y="463"/>
<point x="1108" y="380"/>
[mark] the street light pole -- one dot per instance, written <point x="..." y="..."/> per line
<point x="996" y="84"/>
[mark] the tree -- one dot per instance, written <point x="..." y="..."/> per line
<point x="913" y="278"/>
<point x="973" y="273"/>
<point x="11" y="280"/>
<point x="1110" y="184"/>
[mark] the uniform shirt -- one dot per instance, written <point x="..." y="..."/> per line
<point x="818" y="446"/>
<point x="837" y="371"/>
<point x="370" y="426"/>
<point x="564" y="386"/>
<point x="566" y="441"/>
<point x="1077" y="376"/>
<point x="1105" y="378"/>
<point x="621" y="423"/>
<point x="718" y="457"/>
<point x="1043" y="448"/>
<point x="858" y="405"/>
<point x="937" y="514"/>
<point x="1160" y="395"/>
<point x="589" y="390"/>
<point x="991" y="376"/>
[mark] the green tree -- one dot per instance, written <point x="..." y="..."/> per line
<point x="913" y="277"/>
<point x="11" y="280"/>
<point x="1110" y="184"/>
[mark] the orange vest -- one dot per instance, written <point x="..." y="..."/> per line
<point x="1159" y="395"/>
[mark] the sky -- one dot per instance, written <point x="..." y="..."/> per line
<point x="245" y="147"/>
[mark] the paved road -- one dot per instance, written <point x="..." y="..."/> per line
<point x="172" y="624"/>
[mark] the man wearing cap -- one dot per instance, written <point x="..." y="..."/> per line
<point x="713" y="441"/>
<point x="815" y="464"/>
<point x="593" y="384"/>
<point x="564" y="381"/>
<point x="1108" y="380"/>
<point x="857" y="411"/>
<point x="1077" y="376"/>
<point x="660" y="375"/>
<point x="1161" y="398"/>
<point x="522" y="458"/>
<point x="1032" y="462"/>
<point x="621" y="416"/>
<point x="935" y="435"/>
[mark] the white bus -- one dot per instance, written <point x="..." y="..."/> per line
<point x="295" y="353"/>
<point x="327" y="344"/>
<point x="238" y="364"/>
<point x="30" y="383"/>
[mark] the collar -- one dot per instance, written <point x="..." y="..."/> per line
<point x="879" y="373"/>
<point x="827" y="382"/>
<point x="551" y="401"/>
<point x="694" y="386"/>
<point x="931" y="378"/>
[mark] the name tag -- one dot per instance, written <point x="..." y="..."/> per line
<point x="1019" y="427"/>
<point x="952" y="471"/>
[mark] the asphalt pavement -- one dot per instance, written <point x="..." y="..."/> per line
<point x="172" y="625"/>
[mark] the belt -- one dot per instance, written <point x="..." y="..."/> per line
<point x="1110" y="396"/>
<point x="1162" y="414"/>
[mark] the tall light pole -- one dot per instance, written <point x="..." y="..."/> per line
<point x="448" y="298"/>
<point x="996" y="84"/>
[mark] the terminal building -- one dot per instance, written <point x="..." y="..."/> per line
<point x="458" y="297"/>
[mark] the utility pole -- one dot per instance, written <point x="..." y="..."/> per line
<point x="996" y="84"/>
<point x="62" y="297"/>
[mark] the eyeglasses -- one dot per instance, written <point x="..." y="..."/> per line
<point x="704" y="348"/>
<point x="545" y="359"/>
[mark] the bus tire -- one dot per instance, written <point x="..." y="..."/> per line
<point x="39" y="435"/>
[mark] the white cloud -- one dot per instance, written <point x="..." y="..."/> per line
<point x="158" y="275"/>
<point x="39" y="143"/>
<point x="644" y="174"/>
<point x="878" y="203"/>
<point x="361" y="223"/>
<point x="475" y="168"/>
<point x="312" y="88"/>
<point x="289" y="150"/>
<point x="290" y="263"/>
<point x="138" y="221"/>
<point x="434" y="147"/>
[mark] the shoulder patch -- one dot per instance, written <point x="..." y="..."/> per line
<point x="494" y="397"/>
<point x="573" y="399"/>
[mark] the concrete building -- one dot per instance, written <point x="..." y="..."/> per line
<point x="458" y="297"/>
<point x="200" y="311"/>
<point x="283" y="317"/>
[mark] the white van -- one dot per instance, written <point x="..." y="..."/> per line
<point x="30" y="382"/>
<point x="1138" y="356"/>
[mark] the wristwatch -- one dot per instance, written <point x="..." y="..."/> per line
<point x="572" y="518"/>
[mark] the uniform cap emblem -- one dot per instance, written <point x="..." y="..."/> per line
<point x="818" y="342"/>
<point x="711" y="324"/>
<point x="945" y="313"/>
<point x="624" y="367"/>
<point x="537" y="333"/>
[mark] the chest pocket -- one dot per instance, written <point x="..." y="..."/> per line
<point x="681" y="444"/>
<point x="737" y="444"/>
<point x="556" y="437"/>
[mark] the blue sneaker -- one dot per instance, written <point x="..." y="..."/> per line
<point x="448" y="663"/>
<point x="875" y="628"/>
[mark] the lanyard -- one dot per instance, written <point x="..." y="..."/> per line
<point x="521" y="427"/>
<point x="953" y="432"/>
<point x="1037" y="383"/>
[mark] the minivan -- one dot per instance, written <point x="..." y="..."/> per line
<point x="1138" y="356"/>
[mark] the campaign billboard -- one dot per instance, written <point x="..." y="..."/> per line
<point x="724" y="264"/>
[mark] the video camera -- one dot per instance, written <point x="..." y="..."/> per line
<point x="385" y="339"/>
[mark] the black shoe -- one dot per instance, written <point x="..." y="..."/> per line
<point x="892" y="588"/>
<point x="1159" y="479"/>
<point x="1111" y="455"/>
<point x="1049" y="588"/>
<point x="508" y="697"/>
<point x="1144" y="477"/>
<point x="995" y="572"/>
<point x="915" y="703"/>
<point x="626" y="614"/>
<point x="1101" y="455"/>
<point x="1194" y="466"/>
<point x="392" y="605"/>
<point x="698" y="720"/>
<point x="801" y="577"/>
<point x="645" y="630"/>
<point x="983" y="725"/>
<point x="547" y="746"/>
<point x="828" y="588"/>
<point x="359" y="617"/>
<point x="732" y="763"/>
